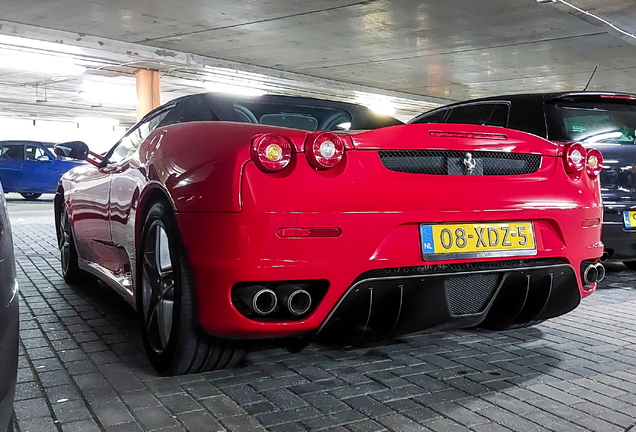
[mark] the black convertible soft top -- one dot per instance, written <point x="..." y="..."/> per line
<point x="275" y="110"/>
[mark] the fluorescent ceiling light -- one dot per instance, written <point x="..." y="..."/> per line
<point x="41" y="63"/>
<point x="233" y="89"/>
<point x="386" y="108"/>
<point x="375" y="102"/>
<point x="17" y="41"/>
<point x="108" y="93"/>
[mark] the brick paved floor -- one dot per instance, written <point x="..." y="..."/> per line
<point x="82" y="368"/>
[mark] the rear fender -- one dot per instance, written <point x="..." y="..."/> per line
<point x="200" y="164"/>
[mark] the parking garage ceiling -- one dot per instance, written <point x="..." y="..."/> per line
<point x="415" y="54"/>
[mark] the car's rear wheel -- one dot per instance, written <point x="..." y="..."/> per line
<point x="166" y="300"/>
<point x="31" y="196"/>
<point x="68" y="253"/>
<point x="630" y="264"/>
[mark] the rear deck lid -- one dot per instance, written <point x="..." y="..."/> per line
<point x="453" y="137"/>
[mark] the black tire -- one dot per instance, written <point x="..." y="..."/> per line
<point x="630" y="264"/>
<point x="11" y="421"/>
<point x="166" y="295"/>
<point x="31" y="196"/>
<point x="68" y="253"/>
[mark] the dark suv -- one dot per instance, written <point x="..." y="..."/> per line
<point x="604" y="120"/>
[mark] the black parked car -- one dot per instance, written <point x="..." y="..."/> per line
<point x="605" y="120"/>
<point x="8" y="320"/>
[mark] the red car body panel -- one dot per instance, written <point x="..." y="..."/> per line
<point x="229" y="211"/>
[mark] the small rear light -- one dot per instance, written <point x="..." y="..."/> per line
<point x="594" y="163"/>
<point x="309" y="232"/>
<point x="478" y="135"/>
<point x="590" y="223"/>
<point x="574" y="156"/>
<point x="325" y="151"/>
<point x="271" y="152"/>
<point x="625" y="97"/>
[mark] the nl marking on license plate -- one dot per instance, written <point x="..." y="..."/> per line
<point x="629" y="218"/>
<point x="477" y="240"/>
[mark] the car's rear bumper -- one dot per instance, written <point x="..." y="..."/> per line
<point x="229" y="248"/>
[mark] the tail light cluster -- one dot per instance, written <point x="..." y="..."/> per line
<point x="272" y="152"/>
<point x="577" y="159"/>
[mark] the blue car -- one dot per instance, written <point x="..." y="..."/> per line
<point x="31" y="168"/>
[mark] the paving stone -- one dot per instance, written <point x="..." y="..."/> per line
<point x="180" y="403"/>
<point x="70" y="411"/>
<point x="31" y="408"/>
<point x="154" y="417"/>
<point x="222" y="406"/>
<point x="112" y="413"/>
<point x="333" y="420"/>
<point x="289" y="416"/>
<point x="326" y="403"/>
<point x="81" y="426"/>
<point x="399" y="423"/>
<point x="241" y="423"/>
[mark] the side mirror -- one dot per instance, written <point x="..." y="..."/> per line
<point x="72" y="149"/>
<point x="43" y="158"/>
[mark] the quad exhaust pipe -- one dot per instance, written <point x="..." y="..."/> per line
<point x="260" y="299"/>
<point x="264" y="301"/>
<point x="294" y="299"/>
<point x="594" y="273"/>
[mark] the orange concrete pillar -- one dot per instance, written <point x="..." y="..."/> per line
<point x="148" y="91"/>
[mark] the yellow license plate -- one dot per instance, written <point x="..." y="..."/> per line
<point x="629" y="218"/>
<point x="477" y="240"/>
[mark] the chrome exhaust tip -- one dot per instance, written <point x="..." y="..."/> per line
<point x="590" y="275"/>
<point x="296" y="300"/>
<point x="600" y="269"/>
<point x="261" y="300"/>
<point x="605" y="256"/>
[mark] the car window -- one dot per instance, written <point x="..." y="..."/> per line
<point x="189" y="110"/>
<point x="133" y="139"/>
<point x="293" y="115"/>
<point x="437" y="116"/>
<point x="12" y="151"/>
<point x="488" y="114"/>
<point x="592" y="121"/>
<point x="32" y="152"/>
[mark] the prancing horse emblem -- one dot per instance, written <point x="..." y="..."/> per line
<point x="469" y="163"/>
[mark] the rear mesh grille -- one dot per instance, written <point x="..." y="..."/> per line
<point x="470" y="294"/>
<point x="450" y="162"/>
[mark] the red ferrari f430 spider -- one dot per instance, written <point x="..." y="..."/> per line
<point x="227" y="219"/>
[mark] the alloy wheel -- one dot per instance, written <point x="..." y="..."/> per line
<point x="65" y="240"/>
<point x="158" y="287"/>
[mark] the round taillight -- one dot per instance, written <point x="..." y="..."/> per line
<point x="594" y="162"/>
<point x="575" y="157"/>
<point x="271" y="152"/>
<point x="325" y="151"/>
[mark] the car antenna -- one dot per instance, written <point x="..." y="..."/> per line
<point x="590" y="80"/>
